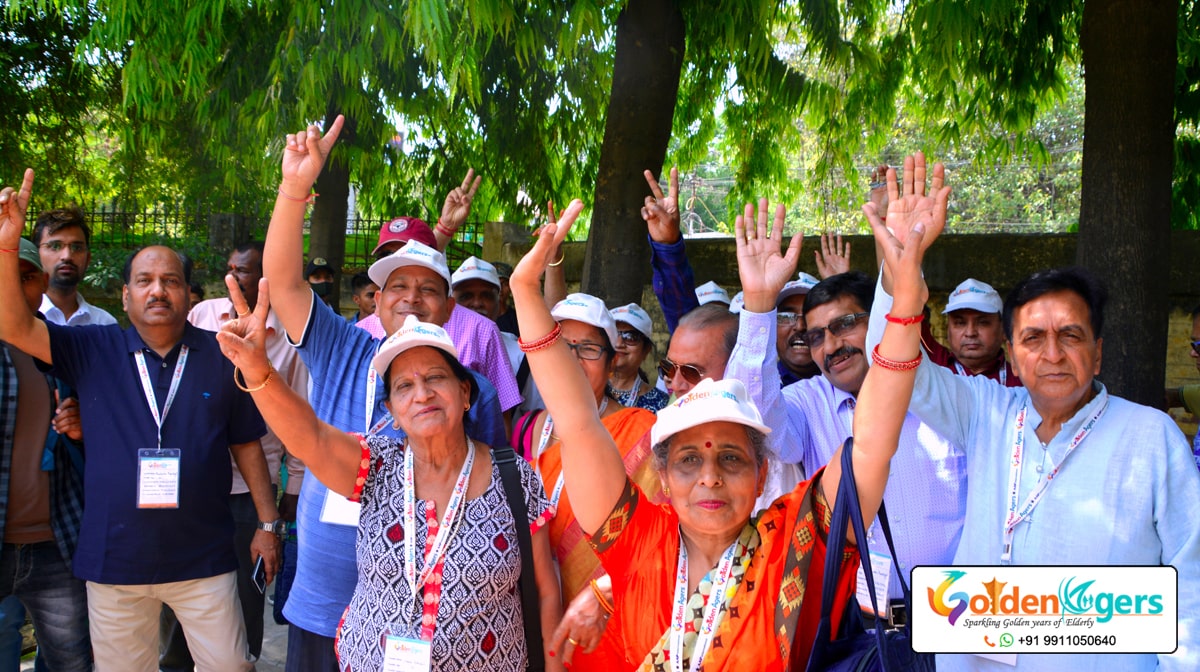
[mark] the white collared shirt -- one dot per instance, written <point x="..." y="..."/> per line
<point x="85" y="314"/>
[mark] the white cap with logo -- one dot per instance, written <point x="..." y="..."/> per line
<point x="412" y="254"/>
<point x="974" y="295"/>
<point x="634" y="316"/>
<point x="709" y="401"/>
<point x="475" y="268"/>
<point x="589" y="310"/>
<point x="802" y="285"/>
<point x="711" y="291"/>
<point x="413" y="333"/>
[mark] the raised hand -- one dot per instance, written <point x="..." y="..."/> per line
<point x="545" y="251"/>
<point x="903" y="263"/>
<point x="662" y="212"/>
<point x="833" y="257"/>
<point x="878" y="193"/>
<point x="909" y="203"/>
<point x="243" y="339"/>
<point x="458" y="202"/>
<point x="305" y="155"/>
<point x="13" y="206"/>
<point x="763" y="269"/>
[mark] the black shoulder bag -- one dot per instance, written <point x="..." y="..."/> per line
<point x="510" y="478"/>
<point x="884" y="649"/>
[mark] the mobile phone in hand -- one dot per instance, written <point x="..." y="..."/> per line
<point x="259" y="576"/>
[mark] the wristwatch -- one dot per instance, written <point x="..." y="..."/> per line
<point x="277" y="528"/>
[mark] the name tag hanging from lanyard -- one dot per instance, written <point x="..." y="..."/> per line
<point x="158" y="467"/>
<point x="336" y="509"/>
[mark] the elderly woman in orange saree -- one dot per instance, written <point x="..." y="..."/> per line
<point x="590" y="332"/>
<point x="696" y="581"/>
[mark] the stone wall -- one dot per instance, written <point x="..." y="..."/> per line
<point x="999" y="259"/>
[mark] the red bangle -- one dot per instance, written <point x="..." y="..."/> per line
<point x="289" y="197"/>
<point x="904" y="321"/>
<point x="893" y="365"/>
<point x="541" y="343"/>
<point x="13" y="250"/>
<point x="442" y="229"/>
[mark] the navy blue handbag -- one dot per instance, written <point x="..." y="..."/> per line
<point x="856" y="649"/>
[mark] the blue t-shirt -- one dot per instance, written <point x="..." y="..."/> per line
<point x="118" y="542"/>
<point x="338" y="356"/>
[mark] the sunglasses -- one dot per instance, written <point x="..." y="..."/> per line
<point x="630" y="337"/>
<point x="786" y="318"/>
<point x="690" y="373"/>
<point x="816" y="337"/>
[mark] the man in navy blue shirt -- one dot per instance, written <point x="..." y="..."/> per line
<point x="162" y="417"/>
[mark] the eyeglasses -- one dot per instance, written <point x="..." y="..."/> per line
<point x="630" y="337"/>
<point x="57" y="246"/>
<point x="786" y="319"/>
<point x="690" y="373"/>
<point x="816" y="337"/>
<point x="1196" y="347"/>
<point x="588" y="351"/>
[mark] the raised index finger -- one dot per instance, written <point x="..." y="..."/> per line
<point x="235" y="295"/>
<point x="264" y="301"/>
<point x="654" y="189"/>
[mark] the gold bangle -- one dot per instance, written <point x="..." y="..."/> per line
<point x="608" y="608"/>
<point x="241" y="383"/>
<point x="559" y="262"/>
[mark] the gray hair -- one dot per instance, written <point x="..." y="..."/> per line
<point x="758" y="443"/>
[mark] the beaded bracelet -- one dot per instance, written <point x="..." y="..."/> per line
<point x="289" y="197"/>
<point x="604" y="603"/>
<point x="893" y="365"/>
<point x="241" y="383"/>
<point x="541" y="343"/>
<point x="904" y="321"/>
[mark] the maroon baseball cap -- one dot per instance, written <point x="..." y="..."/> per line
<point x="404" y="229"/>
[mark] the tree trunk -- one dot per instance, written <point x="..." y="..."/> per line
<point x="645" y="85"/>
<point x="1129" y="59"/>
<point x="327" y="235"/>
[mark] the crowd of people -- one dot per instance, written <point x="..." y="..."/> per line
<point x="480" y="472"/>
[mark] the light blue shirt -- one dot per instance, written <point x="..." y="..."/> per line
<point x="1129" y="495"/>
<point x="926" y="490"/>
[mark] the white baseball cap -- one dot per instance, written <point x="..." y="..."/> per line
<point x="801" y="285"/>
<point x="974" y="295"/>
<point x="412" y="254"/>
<point x="413" y="333"/>
<point x="738" y="302"/>
<point x="634" y="316"/>
<point x="711" y="291"/>
<point x="475" y="268"/>
<point x="709" y="401"/>
<point x="589" y="310"/>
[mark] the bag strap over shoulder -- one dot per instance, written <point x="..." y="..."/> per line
<point x="522" y="438"/>
<point x="510" y="478"/>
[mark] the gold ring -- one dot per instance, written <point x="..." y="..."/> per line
<point x="243" y="314"/>
<point x="572" y="641"/>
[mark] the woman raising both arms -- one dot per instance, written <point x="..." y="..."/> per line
<point x="697" y="580"/>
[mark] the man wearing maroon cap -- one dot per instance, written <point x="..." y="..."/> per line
<point x="480" y="346"/>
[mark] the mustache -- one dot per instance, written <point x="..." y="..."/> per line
<point x="845" y="350"/>
<point x="66" y="264"/>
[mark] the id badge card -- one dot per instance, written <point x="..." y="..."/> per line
<point x="158" y="478"/>
<point x="881" y="572"/>
<point x="405" y="651"/>
<point x="338" y="510"/>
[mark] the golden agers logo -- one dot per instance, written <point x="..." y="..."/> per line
<point x="1075" y="598"/>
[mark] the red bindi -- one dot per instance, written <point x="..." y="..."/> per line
<point x="708" y="444"/>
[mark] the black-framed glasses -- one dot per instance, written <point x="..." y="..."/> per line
<point x="630" y="337"/>
<point x="786" y="318"/>
<point x="815" y="337"/>
<point x="57" y="246"/>
<point x="588" y="351"/>
<point x="1196" y="347"/>
<point x="690" y="373"/>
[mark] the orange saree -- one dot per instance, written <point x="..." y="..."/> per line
<point x="771" y="620"/>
